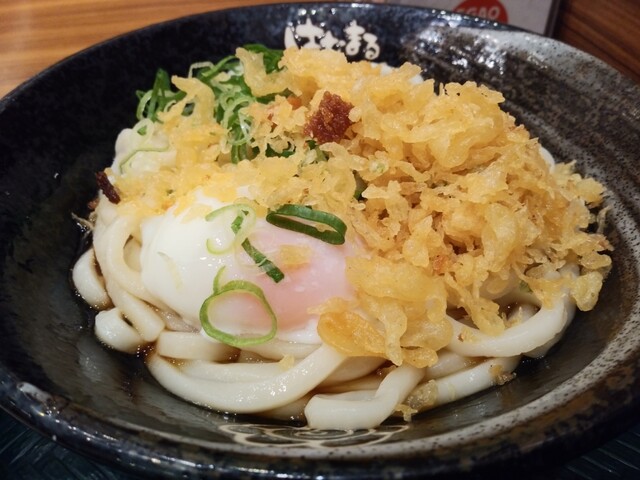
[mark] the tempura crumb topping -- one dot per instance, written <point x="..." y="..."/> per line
<point x="450" y="200"/>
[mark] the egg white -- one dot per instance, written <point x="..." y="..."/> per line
<point x="177" y="267"/>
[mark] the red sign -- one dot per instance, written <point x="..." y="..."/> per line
<point x="489" y="9"/>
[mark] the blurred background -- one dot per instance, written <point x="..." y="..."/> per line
<point x="37" y="33"/>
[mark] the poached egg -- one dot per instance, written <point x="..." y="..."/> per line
<point x="178" y="266"/>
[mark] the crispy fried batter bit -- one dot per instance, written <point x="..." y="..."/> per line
<point x="330" y="122"/>
<point x="107" y="188"/>
<point x="294" y="101"/>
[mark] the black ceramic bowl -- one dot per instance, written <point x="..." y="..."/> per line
<point x="59" y="128"/>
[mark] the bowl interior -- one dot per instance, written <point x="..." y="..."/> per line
<point x="59" y="128"/>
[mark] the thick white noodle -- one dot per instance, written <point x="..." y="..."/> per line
<point x="475" y="379"/>
<point x="363" y="409"/>
<point x="89" y="282"/>
<point x="522" y="338"/>
<point x="249" y="397"/>
<point x="353" y="368"/>
<point x="231" y="372"/>
<point x="290" y="411"/>
<point x="542" y="350"/>
<point x="448" y="363"/>
<point x="369" y="382"/>
<point x="144" y="319"/>
<point x="276" y="349"/>
<point x="113" y="260"/>
<point x="518" y="296"/>
<point x="112" y="329"/>
<point x="116" y="237"/>
<point x="174" y="322"/>
<point x="131" y="254"/>
<point x="547" y="157"/>
<point x="494" y="288"/>
<point x="106" y="212"/>
<point x="192" y="346"/>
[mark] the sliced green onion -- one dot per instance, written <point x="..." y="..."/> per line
<point x="127" y="160"/>
<point x="157" y="99"/>
<point x="230" y="90"/>
<point x="524" y="287"/>
<point x="236" y="225"/>
<point x="256" y="255"/>
<point x="200" y="66"/>
<point x="263" y="262"/>
<point x="206" y="74"/>
<point x="242" y="152"/>
<point x="321" y="156"/>
<point x="361" y="186"/>
<point x="240" y="219"/>
<point x="232" y="112"/>
<point x="282" y="217"/>
<point x="143" y="101"/>
<point x="236" y="286"/>
<point x="145" y="128"/>
<point x="216" y="280"/>
<point x="270" y="57"/>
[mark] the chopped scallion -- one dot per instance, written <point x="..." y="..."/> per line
<point x="262" y="261"/>
<point x="231" y="92"/>
<point x="270" y="57"/>
<point x="284" y="217"/>
<point x="157" y="99"/>
<point x="240" y="219"/>
<point x="127" y="160"/>
<point x="236" y="286"/>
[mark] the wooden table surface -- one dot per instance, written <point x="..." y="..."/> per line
<point x="34" y="34"/>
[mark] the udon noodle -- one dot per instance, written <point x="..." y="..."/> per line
<point x="294" y="235"/>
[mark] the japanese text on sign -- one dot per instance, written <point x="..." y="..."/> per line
<point x="356" y="41"/>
